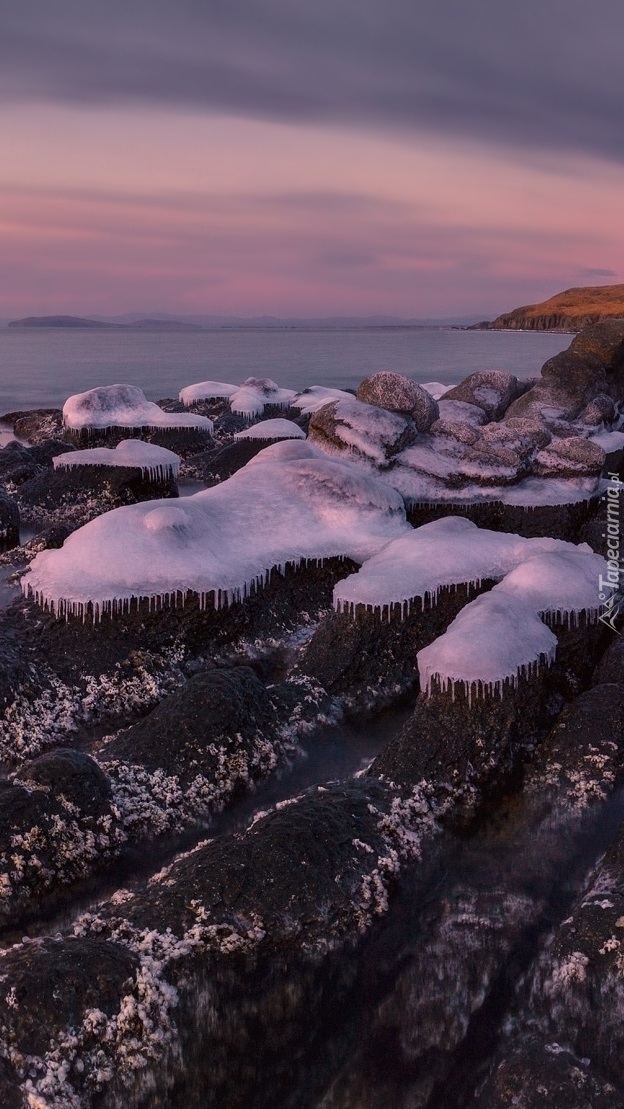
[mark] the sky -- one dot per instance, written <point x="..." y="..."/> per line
<point x="419" y="158"/>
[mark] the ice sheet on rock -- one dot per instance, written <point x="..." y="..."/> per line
<point x="288" y="450"/>
<point x="496" y="638"/>
<point x="559" y="584"/>
<point x="461" y="412"/>
<point x="310" y="400"/>
<point x="123" y="406"/>
<point x="206" y="390"/>
<point x="369" y="431"/>
<point x="272" y="429"/>
<point x="418" y="489"/>
<point x="154" y="462"/>
<point x="257" y="393"/>
<point x="224" y="541"/>
<point x="609" y="440"/>
<point x="445" y="552"/>
<point x="454" y="462"/>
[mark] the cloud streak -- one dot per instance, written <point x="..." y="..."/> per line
<point x="541" y="76"/>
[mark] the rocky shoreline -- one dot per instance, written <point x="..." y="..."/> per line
<point x="437" y="929"/>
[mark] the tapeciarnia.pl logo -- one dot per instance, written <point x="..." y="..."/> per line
<point x="609" y="586"/>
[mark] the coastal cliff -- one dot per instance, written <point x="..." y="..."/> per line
<point x="570" y="310"/>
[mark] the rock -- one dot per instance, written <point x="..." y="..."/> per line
<point x="570" y="458"/>
<point x="397" y="393"/>
<point x="354" y="428"/>
<point x="50" y="539"/>
<point x="369" y="662"/>
<point x="605" y="341"/>
<point x="538" y="1075"/>
<point x="35" y="425"/>
<point x="523" y="436"/>
<point x="9" y="522"/>
<point x="218" y="724"/>
<point x="218" y="465"/>
<point x="491" y="390"/>
<point x="461" y="412"/>
<point x="569" y="382"/>
<point x="601" y="410"/>
<point x="464" y="433"/>
<point x="106" y="487"/>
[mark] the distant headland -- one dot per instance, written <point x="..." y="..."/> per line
<point x="568" y="311"/>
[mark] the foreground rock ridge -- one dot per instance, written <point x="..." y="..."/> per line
<point x="312" y="744"/>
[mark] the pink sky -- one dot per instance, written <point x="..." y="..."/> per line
<point x="141" y="208"/>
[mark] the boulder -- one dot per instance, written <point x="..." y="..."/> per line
<point x="570" y="458"/>
<point x="491" y="390"/>
<point x="353" y="428"/>
<point x="601" y="410"/>
<point x="542" y="1075"/>
<point x="397" y="393"/>
<point x="605" y="341"/>
<point x="35" y="425"/>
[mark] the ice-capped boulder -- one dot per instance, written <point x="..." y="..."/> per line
<point x="257" y="393"/>
<point x="523" y="436"/>
<point x="272" y="429"/>
<point x="288" y="450"/>
<point x="350" y="427"/>
<point x="123" y="406"/>
<point x="223" y="541"/>
<point x="491" y="390"/>
<point x="155" y="463"/>
<point x="310" y="400"/>
<point x="575" y="457"/>
<point x="501" y="636"/>
<point x="397" y="393"/>
<point x="206" y="390"/>
<point x="446" y="552"/>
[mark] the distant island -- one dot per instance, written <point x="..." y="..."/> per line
<point x="164" y="322"/>
<point x="567" y="311"/>
<point x="78" y="322"/>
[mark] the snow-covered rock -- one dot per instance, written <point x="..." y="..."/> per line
<point x="461" y="412"/>
<point x="446" y="552"/>
<point x="156" y="463"/>
<point x="206" y="390"/>
<point x="272" y="429"/>
<point x="257" y="393"/>
<point x="224" y="541"/>
<point x="362" y="431"/>
<point x="121" y="406"/>
<point x="310" y="400"/>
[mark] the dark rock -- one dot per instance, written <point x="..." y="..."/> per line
<point x="209" y="726"/>
<point x="605" y="341"/>
<point x="53" y="490"/>
<point x="564" y="521"/>
<point x="601" y="410"/>
<point x="539" y="1075"/>
<point x="51" y="538"/>
<point x="397" y="393"/>
<point x="368" y="661"/>
<point x="72" y="775"/>
<point x="569" y="382"/>
<point x="491" y="390"/>
<point x="9" y="522"/>
<point x="35" y="425"/>
<point x="218" y="465"/>
<point x="17" y="464"/>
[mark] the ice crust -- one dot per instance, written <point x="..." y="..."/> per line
<point x="272" y="429"/>
<point x="310" y="400"/>
<point x="288" y="450"/>
<point x="494" y="639"/>
<point x="223" y="543"/>
<point x="156" y="463"/>
<point x="257" y="393"/>
<point x="123" y="406"/>
<point x="445" y="552"/>
<point x="206" y="390"/>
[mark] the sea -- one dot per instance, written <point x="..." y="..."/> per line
<point x="42" y="368"/>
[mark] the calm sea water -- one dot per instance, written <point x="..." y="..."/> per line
<point x="43" y="368"/>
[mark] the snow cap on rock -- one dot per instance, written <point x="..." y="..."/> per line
<point x="110" y="406"/>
